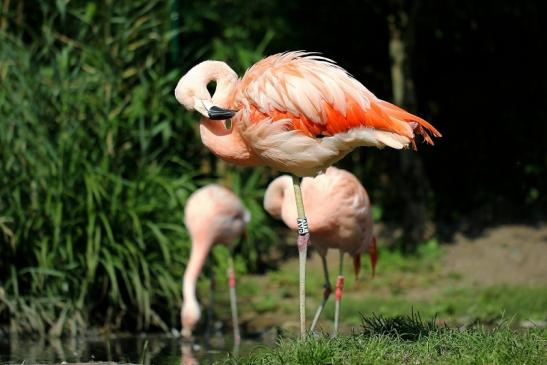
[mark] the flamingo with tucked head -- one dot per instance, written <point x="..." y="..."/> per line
<point x="295" y="112"/>
<point x="213" y="214"/>
<point x="341" y="219"/>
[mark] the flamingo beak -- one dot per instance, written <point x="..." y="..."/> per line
<point x="213" y="112"/>
<point x="216" y="113"/>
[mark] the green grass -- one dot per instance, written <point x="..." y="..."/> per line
<point x="408" y="340"/>
<point x="456" y="306"/>
<point x="467" y="325"/>
<point x="402" y="283"/>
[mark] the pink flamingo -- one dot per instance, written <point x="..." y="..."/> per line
<point x="349" y="230"/>
<point x="213" y="214"/>
<point x="295" y="112"/>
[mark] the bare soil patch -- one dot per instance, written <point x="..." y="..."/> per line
<point x="509" y="254"/>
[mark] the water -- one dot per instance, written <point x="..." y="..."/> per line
<point x="147" y="349"/>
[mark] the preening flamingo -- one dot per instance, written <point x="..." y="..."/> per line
<point x="341" y="219"/>
<point x="295" y="112"/>
<point x="213" y="214"/>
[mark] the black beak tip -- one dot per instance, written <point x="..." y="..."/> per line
<point x="216" y="113"/>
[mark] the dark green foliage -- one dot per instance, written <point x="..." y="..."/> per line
<point x="95" y="169"/>
<point x="236" y="32"/>
<point x="88" y="190"/>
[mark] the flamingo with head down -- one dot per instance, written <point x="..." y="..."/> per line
<point x="212" y="215"/>
<point x="295" y="112"/>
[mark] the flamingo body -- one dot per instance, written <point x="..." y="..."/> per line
<point x="337" y="207"/>
<point x="212" y="215"/>
<point x="296" y="112"/>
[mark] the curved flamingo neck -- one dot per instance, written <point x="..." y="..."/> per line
<point x="227" y="143"/>
<point x="200" y="250"/>
<point x="225" y="78"/>
<point x="223" y="142"/>
<point x="275" y="195"/>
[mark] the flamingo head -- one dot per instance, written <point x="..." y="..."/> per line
<point x="192" y="93"/>
<point x="189" y="317"/>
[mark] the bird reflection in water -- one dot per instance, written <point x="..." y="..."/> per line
<point x="187" y="355"/>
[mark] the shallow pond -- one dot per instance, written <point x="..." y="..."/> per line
<point x="147" y="349"/>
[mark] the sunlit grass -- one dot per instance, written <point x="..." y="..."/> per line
<point x="408" y="339"/>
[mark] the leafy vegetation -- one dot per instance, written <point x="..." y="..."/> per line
<point x="94" y="171"/>
<point x="88" y="189"/>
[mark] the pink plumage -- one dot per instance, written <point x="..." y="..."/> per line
<point x="337" y="207"/>
<point x="213" y="215"/>
<point x="339" y="215"/>
<point x="296" y="112"/>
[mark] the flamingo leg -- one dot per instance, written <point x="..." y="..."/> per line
<point x="339" y="290"/>
<point x="212" y="288"/>
<point x="233" y="300"/>
<point x="302" y="242"/>
<point x="326" y="293"/>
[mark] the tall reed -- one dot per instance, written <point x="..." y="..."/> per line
<point x="96" y="162"/>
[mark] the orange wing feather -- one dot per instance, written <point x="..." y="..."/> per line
<point x="311" y="106"/>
